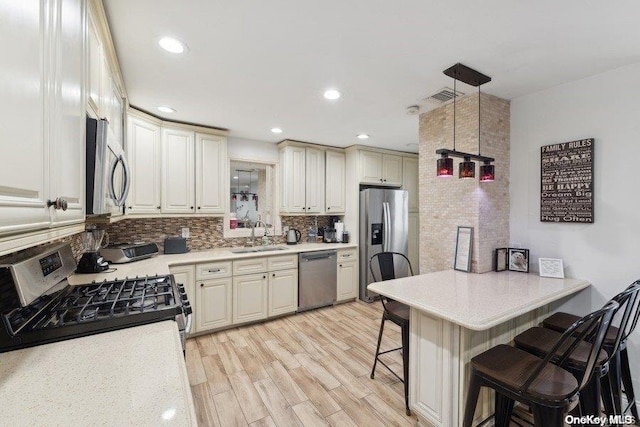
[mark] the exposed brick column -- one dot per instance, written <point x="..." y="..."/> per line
<point x="446" y="203"/>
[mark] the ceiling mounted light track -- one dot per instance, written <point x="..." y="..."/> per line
<point x="444" y="166"/>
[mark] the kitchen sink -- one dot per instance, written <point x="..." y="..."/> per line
<point x="258" y="249"/>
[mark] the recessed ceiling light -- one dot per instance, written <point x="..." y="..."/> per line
<point x="235" y="177"/>
<point x="166" y="109"/>
<point x="332" y="94"/>
<point x="276" y="130"/>
<point x="172" y="45"/>
<point x="363" y="136"/>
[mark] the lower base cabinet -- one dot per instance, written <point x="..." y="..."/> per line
<point x="250" y="297"/>
<point x="283" y="292"/>
<point x="347" y="282"/>
<point x="186" y="274"/>
<point x="213" y="303"/>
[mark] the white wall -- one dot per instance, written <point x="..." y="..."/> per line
<point x="251" y="149"/>
<point x="607" y="252"/>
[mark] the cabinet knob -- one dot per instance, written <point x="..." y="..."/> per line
<point x="264" y="277"/>
<point x="274" y="274"/>
<point x="202" y="285"/>
<point x="130" y="207"/>
<point x="157" y="207"/>
<point x="328" y="208"/>
<point x="340" y="265"/>
<point x="199" y="207"/>
<point x="384" y="180"/>
<point x="58" y="204"/>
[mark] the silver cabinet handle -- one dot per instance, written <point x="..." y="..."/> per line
<point x="58" y="204"/>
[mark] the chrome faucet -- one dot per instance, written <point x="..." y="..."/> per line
<point x="253" y="231"/>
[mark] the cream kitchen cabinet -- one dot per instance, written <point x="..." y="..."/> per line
<point x="379" y="168"/>
<point x="211" y="154"/>
<point x="347" y="282"/>
<point x="214" y="303"/>
<point x="335" y="182"/>
<point x="143" y="154"/>
<point x="283" y="292"/>
<point x="186" y="274"/>
<point x="302" y="188"/>
<point x="413" y="250"/>
<point x="410" y="181"/>
<point x="250" y="297"/>
<point x="177" y="177"/>
<point x="42" y="136"/>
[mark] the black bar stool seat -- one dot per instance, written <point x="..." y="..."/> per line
<point x="562" y="321"/>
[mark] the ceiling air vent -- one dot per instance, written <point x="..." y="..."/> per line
<point x="443" y="95"/>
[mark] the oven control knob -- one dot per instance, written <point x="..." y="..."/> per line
<point x="186" y="308"/>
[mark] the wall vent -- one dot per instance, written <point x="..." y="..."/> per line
<point x="443" y="95"/>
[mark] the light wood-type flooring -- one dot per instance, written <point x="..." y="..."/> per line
<point x="308" y="369"/>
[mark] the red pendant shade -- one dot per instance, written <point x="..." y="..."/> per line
<point x="444" y="168"/>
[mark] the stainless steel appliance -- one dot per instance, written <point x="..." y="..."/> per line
<point x="293" y="236"/>
<point x="37" y="306"/>
<point x="108" y="175"/>
<point x="317" y="279"/>
<point x="129" y="252"/>
<point x="91" y="261"/>
<point x="384" y="221"/>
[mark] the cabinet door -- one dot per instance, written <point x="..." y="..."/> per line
<point x="370" y="167"/>
<point x="23" y="141"/>
<point x="283" y="292"/>
<point x="185" y="274"/>
<point x="335" y="182"/>
<point x="314" y="188"/>
<point x="413" y="250"/>
<point x="68" y="116"/>
<point x="214" y="304"/>
<point x="347" y="280"/>
<point x="392" y="170"/>
<point x="292" y="188"/>
<point x="410" y="181"/>
<point x="143" y="154"/>
<point x="178" y="191"/>
<point x="249" y="297"/>
<point x="211" y="170"/>
<point x="95" y="67"/>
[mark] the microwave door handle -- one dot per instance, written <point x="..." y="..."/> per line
<point x="127" y="181"/>
<point x="119" y="200"/>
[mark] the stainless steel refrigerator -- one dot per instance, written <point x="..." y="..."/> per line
<point x="384" y="222"/>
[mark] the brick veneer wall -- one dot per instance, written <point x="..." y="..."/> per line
<point x="446" y="203"/>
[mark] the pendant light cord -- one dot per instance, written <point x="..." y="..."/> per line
<point x="479" y="152"/>
<point x="455" y="95"/>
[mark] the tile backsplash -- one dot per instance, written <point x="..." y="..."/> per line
<point x="205" y="232"/>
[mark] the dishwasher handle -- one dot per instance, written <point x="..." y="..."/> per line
<point x="316" y="256"/>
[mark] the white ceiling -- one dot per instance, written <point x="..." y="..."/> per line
<point x="253" y="65"/>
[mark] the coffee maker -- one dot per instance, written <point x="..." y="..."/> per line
<point x="91" y="261"/>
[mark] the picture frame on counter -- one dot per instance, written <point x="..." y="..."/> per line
<point x="464" y="245"/>
<point x="518" y="260"/>
<point x="500" y="259"/>
<point x="551" y="267"/>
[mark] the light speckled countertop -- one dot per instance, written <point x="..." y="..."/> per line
<point x="477" y="301"/>
<point x="133" y="376"/>
<point x="159" y="264"/>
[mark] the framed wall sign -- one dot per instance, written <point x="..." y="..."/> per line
<point x="551" y="267"/>
<point x="464" y="241"/>
<point x="566" y="182"/>
<point x="519" y="260"/>
<point x="500" y="259"/>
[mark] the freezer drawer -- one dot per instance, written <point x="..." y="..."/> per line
<point x="317" y="279"/>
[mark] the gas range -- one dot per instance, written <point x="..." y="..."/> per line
<point x="81" y="310"/>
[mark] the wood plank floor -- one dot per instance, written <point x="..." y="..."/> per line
<point x="308" y="369"/>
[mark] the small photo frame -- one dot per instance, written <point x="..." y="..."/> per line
<point x="551" y="267"/>
<point x="500" y="259"/>
<point x="518" y="260"/>
<point x="464" y="240"/>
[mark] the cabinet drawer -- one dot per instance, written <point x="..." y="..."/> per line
<point x="213" y="270"/>
<point x="347" y="255"/>
<point x="249" y="266"/>
<point x="283" y="262"/>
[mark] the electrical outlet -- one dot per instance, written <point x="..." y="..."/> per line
<point x="185" y="232"/>
<point x="285" y="229"/>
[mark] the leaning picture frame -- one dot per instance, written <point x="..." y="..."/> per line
<point x="500" y="260"/>
<point x="464" y="245"/>
<point x="551" y="267"/>
<point x="518" y="260"/>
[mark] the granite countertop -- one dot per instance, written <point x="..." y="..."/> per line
<point x="133" y="376"/>
<point x="160" y="263"/>
<point x="477" y="301"/>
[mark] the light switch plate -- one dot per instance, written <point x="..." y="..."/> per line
<point x="185" y="232"/>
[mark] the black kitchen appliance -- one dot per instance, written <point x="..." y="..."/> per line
<point x="56" y="311"/>
<point x="91" y="261"/>
<point x="175" y="245"/>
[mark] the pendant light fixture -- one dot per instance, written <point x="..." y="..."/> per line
<point x="444" y="167"/>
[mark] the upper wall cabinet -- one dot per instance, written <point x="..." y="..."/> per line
<point x="302" y="188"/>
<point x="42" y="109"/>
<point x="176" y="169"/>
<point x="410" y="181"/>
<point x="335" y="182"/>
<point x="380" y="169"/>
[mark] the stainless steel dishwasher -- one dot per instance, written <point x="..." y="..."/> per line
<point x="317" y="277"/>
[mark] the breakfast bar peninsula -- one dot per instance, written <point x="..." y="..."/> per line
<point x="457" y="315"/>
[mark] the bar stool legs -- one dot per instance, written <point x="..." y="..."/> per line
<point x="375" y="360"/>
<point x="503" y="410"/>
<point x="405" y="366"/>
<point x="628" y="384"/>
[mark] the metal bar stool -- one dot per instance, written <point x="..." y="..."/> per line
<point x="549" y="389"/>
<point x="619" y="371"/>
<point x="386" y="265"/>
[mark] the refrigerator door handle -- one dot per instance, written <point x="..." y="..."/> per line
<point x="386" y="224"/>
